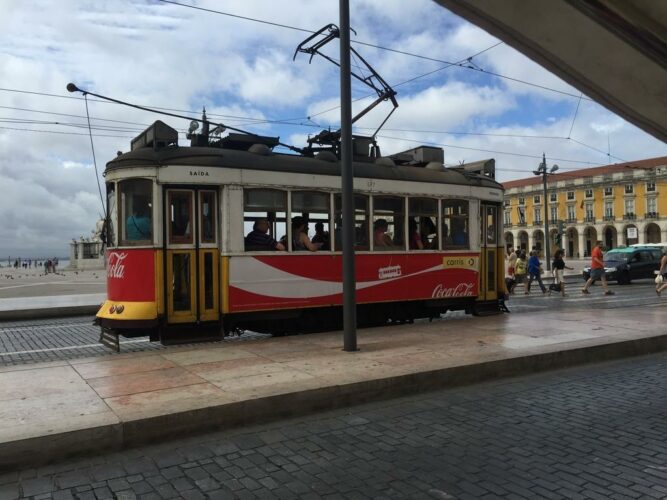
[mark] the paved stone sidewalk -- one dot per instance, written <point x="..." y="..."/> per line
<point x="597" y="432"/>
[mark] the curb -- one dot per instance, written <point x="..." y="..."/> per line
<point x="117" y="436"/>
<point x="49" y="312"/>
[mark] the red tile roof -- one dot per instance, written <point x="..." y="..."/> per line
<point x="648" y="164"/>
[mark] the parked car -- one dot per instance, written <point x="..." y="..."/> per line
<point x="626" y="264"/>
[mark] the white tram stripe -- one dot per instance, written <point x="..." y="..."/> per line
<point x="68" y="348"/>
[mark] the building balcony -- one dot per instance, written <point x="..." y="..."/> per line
<point x="651" y="215"/>
<point x="508" y="226"/>
<point x="522" y="224"/>
<point x="609" y="218"/>
<point x="629" y="216"/>
<point x="589" y="219"/>
<point x="570" y="221"/>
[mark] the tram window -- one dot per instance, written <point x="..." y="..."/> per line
<point x="455" y="224"/>
<point x="313" y="208"/>
<point x="264" y="219"/>
<point x="180" y="217"/>
<point x="388" y="223"/>
<point x="207" y="211"/>
<point x="136" y="203"/>
<point x="423" y="224"/>
<point x="109" y="236"/>
<point x="361" y="229"/>
<point x="491" y="225"/>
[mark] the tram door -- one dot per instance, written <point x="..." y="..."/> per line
<point x="489" y="255"/>
<point x="192" y="255"/>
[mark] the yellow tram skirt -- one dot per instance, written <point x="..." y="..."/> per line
<point x="122" y="310"/>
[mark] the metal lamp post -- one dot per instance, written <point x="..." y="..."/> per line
<point x="542" y="170"/>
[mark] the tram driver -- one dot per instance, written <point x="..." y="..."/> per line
<point x="259" y="240"/>
<point x="138" y="225"/>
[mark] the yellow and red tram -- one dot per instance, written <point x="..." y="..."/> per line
<point x="179" y="267"/>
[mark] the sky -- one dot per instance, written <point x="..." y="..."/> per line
<point x="164" y="55"/>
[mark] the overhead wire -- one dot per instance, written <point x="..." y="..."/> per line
<point x="389" y="49"/>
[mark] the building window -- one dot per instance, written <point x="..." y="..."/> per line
<point x="508" y="218"/>
<point x="589" y="212"/>
<point x="537" y="199"/>
<point x="507" y="202"/>
<point x="609" y="209"/>
<point x="538" y="216"/>
<point x="608" y="191"/>
<point x="553" y="197"/>
<point x="589" y="193"/>
<point x="651" y="206"/>
<point x="650" y="186"/>
<point x="554" y="213"/>
<point x="522" y="214"/>
<point x="629" y="189"/>
<point x="522" y="201"/>
<point x="571" y="214"/>
<point x="629" y="207"/>
<point x="570" y="195"/>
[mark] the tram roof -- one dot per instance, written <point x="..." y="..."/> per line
<point x="194" y="156"/>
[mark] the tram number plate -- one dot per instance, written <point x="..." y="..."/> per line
<point x="110" y="339"/>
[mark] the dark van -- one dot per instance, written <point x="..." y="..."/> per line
<point x="626" y="264"/>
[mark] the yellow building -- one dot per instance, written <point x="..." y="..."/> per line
<point x="620" y="204"/>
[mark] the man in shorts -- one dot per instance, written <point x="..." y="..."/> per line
<point x="597" y="270"/>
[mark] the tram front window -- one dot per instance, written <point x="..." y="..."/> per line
<point x="112" y="216"/>
<point x="136" y="216"/>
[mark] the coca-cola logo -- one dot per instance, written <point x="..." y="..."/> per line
<point x="116" y="267"/>
<point x="460" y="290"/>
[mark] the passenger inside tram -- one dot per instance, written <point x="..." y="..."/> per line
<point x="321" y="237"/>
<point x="258" y="240"/>
<point x="415" y="236"/>
<point x="380" y="236"/>
<point x="300" y="240"/>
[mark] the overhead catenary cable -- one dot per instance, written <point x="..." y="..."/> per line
<point x="92" y="147"/>
<point x="389" y="49"/>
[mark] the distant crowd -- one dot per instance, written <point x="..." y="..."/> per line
<point x="50" y="265"/>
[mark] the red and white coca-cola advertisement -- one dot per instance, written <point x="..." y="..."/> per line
<point x="130" y="275"/>
<point x="288" y="281"/>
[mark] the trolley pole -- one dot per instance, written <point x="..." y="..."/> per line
<point x="347" y="183"/>
<point x="542" y="170"/>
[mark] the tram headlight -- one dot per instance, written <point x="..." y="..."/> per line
<point x="120" y="309"/>
<point x="112" y="309"/>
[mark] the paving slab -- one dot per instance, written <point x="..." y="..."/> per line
<point x="54" y="410"/>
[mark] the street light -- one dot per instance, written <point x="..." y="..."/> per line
<point x="542" y="170"/>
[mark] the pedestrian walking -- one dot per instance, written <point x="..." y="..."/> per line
<point x="558" y="266"/>
<point x="521" y="269"/>
<point x="511" y="262"/>
<point x="535" y="272"/>
<point x="597" y="270"/>
<point x="662" y="284"/>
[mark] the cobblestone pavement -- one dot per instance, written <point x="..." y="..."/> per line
<point x="597" y="431"/>
<point x="55" y="339"/>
